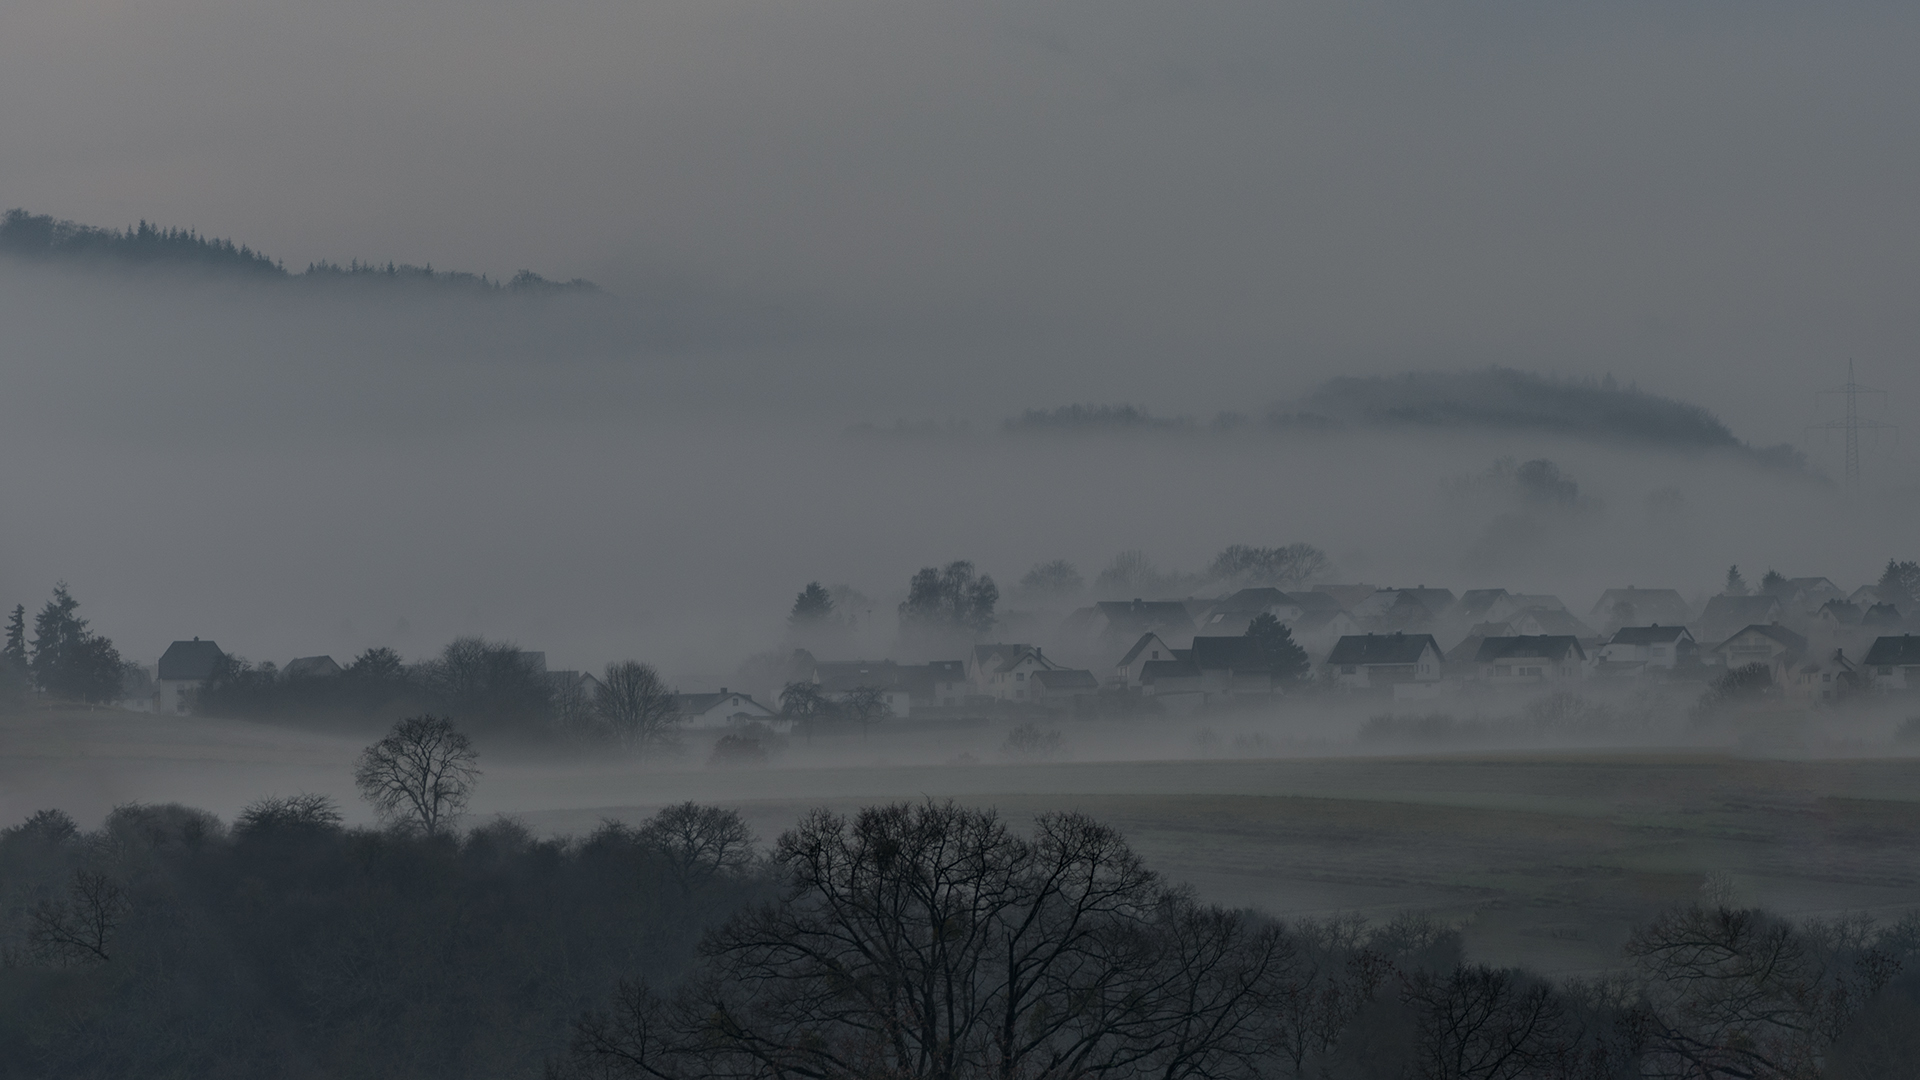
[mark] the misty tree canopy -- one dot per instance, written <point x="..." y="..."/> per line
<point x="67" y="659"/>
<point x="954" y="600"/>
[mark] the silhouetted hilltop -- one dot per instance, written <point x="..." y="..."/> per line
<point x="1078" y="418"/>
<point x="1491" y="399"/>
<point x="40" y="237"/>
<point x="1498" y="398"/>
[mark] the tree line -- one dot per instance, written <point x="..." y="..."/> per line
<point x="903" y="941"/>
<point x="63" y="658"/>
<point x="41" y="236"/>
<point x="491" y="686"/>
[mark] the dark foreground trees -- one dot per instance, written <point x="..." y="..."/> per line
<point x="166" y="945"/>
<point x="905" y="941"/>
<point x="931" y="941"/>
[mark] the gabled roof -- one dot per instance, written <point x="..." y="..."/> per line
<point x="1254" y="601"/>
<point x="1004" y="657"/>
<point x="1840" y="611"/>
<point x="1137" y="616"/>
<point x="1430" y="601"/>
<point x="1881" y="615"/>
<point x="310" y="667"/>
<point x="1228" y="654"/>
<point x="1799" y="585"/>
<point x="190" y="661"/>
<point x="1475" y="603"/>
<point x="1314" y="621"/>
<point x="1648" y="635"/>
<point x="1316" y="602"/>
<point x="1649" y="605"/>
<point x="840" y="676"/>
<point x="1067" y="679"/>
<point x="1347" y="595"/>
<point x="1553" y="622"/>
<point x="1382" y="649"/>
<point x="1740" y="610"/>
<point x="1156" y="670"/>
<point x="1406" y="612"/>
<point x="1894" y="651"/>
<point x="1772" y="631"/>
<point x="1140" y="646"/>
<point x="698" y="704"/>
<point x="1553" y="647"/>
<point x="1468" y="647"/>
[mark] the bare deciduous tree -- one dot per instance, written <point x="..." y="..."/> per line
<point x="865" y="704"/>
<point x="421" y="775"/>
<point x="930" y="942"/>
<point x="1482" y="1023"/>
<point x="1738" y="993"/>
<point x="79" y="928"/>
<point x="635" y="702"/>
<point x="699" y="843"/>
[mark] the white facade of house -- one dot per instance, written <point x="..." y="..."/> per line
<point x="1001" y="671"/>
<point x="724" y="709"/>
<point x="1149" y="648"/>
<point x="1653" y="646"/>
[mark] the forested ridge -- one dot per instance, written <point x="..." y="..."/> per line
<point x="40" y="237"/>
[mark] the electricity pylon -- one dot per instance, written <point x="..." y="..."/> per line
<point x="1851" y="424"/>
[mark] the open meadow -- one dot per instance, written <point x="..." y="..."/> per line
<point x="1542" y="856"/>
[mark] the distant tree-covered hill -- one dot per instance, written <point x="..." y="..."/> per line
<point x="1498" y="398"/>
<point x="1490" y="399"/>
<point x="25" y="236"/>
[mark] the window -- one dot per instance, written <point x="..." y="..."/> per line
<point x="1886" y="671"/>
<point x="1530" y="671"/>
<point x="1349" y="669"/>
<point x="1503" y="669"/>
<point x="1156" y="654"/>
<point x="1657" y="650"/>
<point x="1020" y="676"/>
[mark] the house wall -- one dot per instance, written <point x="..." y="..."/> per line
<point x="1157" y="649"/>
<point x="1529" y="669"/>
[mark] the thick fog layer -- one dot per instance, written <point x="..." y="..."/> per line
<point x="292" y="471"/>
<point x="811" y="217"/>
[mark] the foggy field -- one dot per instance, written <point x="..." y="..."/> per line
<point x="1546" y="857"/>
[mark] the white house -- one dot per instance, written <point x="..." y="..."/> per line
<point x="1823" y="679"/>
<point x="1893" y="663"/>
<point x="1364" y="661"/>
<point x="1653" y="646"/>
<point x="725" y="709"/>
<point x="183" y="667"/>
<point x="1763" y="643"/>
<point x="1531" y="658"/>
<point x="1232" y="615"/>
<point x="1149" y="648"/>
<point x="1001" y="671"/>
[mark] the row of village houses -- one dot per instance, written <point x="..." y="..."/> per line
<point x="1816" y="641"/>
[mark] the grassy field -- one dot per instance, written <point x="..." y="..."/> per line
<point x="1542" y="857"/>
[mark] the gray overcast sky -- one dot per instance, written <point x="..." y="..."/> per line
<point x="1690" y="193"/>
<point x="919" y="210"/>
